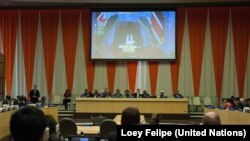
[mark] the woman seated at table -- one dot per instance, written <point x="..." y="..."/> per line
<point x="67" y="98"/>
<point x="117" y="93"/>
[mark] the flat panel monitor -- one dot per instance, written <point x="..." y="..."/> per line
<point x="133" y="34"/>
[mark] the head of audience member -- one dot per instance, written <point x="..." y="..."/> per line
<point x="106" y="89"/>
<point x="86" y="90"/>
<point x="118" y="91"/>
<point x="43" y="100"/>
<point x="29" y="124"/>
<point x="51" y="122"/>
<point x="35" y="87"/>
<point x="162" y="93"/>
<point x="211" y="118"/>
<point x="22" y="100"/>
<point x="144" y="92"/>
<point x="138" y="90"/>
<point x="126" y="91"/>
<point x="7" y="97"/>
<point x="67" y="90"/>
<point x="130" y="116"/>
<point x="231" y="99"/>
<point x="96" y="91"/>
<point x="243" y="101"/>
<point x="7" y="100"/>
<point x="226" y="104"/>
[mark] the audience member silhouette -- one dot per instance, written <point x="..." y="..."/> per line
<point x="137" y="93"/>
<point x="162" y="94"/>
<point x="178" y="95"/>
<point x="130" y="116"/>
<point x="211" y="118"/>
<point x="117" y="93"/>
<point x="106" y="92"/>
<point x="145" y="94"/>
<point x="87" y="93"/>
<point x="29" y="124"/>
<point x="43" y="101"/>
<point x="34" y="95"/>
<point x="7" y="100"/>
<point x="52" y="128"/>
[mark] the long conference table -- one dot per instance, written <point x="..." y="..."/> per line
<point x="5" y="120"/>
<point x="145" y="105"/>
<point x="229" y="117"/>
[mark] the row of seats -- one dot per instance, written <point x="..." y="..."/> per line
<point x="197" y="103"/>
<point x="68" y="128"/>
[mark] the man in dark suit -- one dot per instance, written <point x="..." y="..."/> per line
<point x="34" y="95"/>
<point x="137" y="93"/>
<point x="145" y="94"/>
<point x="162" y="94"/>
<point x="178" y="95"/>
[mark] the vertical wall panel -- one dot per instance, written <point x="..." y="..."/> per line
<point x="70" y="22"/>
<point x="59" y="72"/>
<point x="90" y="65"/>
<point x="229" y="82"/>
<point x="8" y="28"/>
<point x="39" y="73"/>
<point x="207" y="83"/>
<point x="49" y="22"/>
<point x="153" y="73"/>
<point x="241" y="32"/>
<point x="80" y="81"/>
<point x="219" y="26"/>
<point x="185" y="82"/>
<point x="111" y="67"/>
<point x="29" y="26"/>
<point x="196" y="23"/>
<point x="132" y="69"/>
<point x="176" y="65"/>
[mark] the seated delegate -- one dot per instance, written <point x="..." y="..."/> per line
<point x="145" y="94"/>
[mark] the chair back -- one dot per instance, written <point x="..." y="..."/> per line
<point x="196" y="101"/>
<point x="207" y="101"/>
<point x="155" y="118"/>
<point x="107" y="126"/>
<point x="56" y="100"/>
<point x="97" y="120"/>
<point x="190" y="102"/>
<point x="67" y="127"/>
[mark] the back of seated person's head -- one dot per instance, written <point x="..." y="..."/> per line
<point x="7" y="97"/>
<point x="211" y="118"/>
<point x="130" y="116"/>
<point x="28" y="124"/>
<point x="51" y="122"/>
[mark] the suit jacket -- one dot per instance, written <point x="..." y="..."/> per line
<point x="34" y="95"/>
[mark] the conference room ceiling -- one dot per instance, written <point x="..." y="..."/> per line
<point x="100" y="3"/>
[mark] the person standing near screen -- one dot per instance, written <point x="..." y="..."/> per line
<point x="34" y="95"/>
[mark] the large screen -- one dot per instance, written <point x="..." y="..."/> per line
<point x="133" y="35"/>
